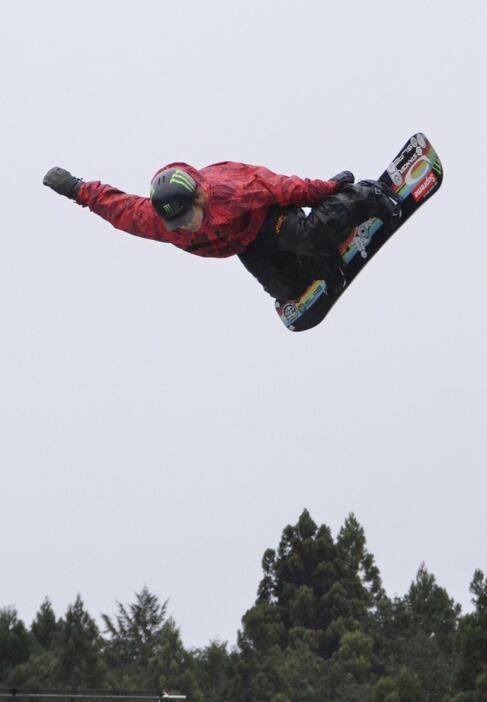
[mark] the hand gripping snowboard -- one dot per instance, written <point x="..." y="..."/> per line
<point x="414" y="175"/>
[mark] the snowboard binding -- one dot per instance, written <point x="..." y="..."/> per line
<point x="383" y="203"/>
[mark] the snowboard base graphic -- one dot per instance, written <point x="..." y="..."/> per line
<point x="414" y="176"/>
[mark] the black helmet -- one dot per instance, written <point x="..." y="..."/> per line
<point x="172" y="194"/>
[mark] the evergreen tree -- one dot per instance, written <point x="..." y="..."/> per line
<point x="349" y="673"/>
<point x="314" y="584"/>
<point x="405" y="686"/>
<point x="321" y="630"/>
<point x="40" y="671"/>
<point x="15" y="643"/>
<point x="471" y="646"/>
<point x="45" y="628"/>
<point x="416" y="633"/>
<point x="80" y="659"/>
<point x="314" y="594"/>
<point x="135" y="638"/>
<point x="431" y="610"/>
<point x="213" y="667"/>
<point x="42" y="668"/>
<point x="172" y="667"/>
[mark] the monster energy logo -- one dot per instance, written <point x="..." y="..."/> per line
<point x="181" y="178"/>
<point x="167" y="209"/>
<point x="437" y="167"/>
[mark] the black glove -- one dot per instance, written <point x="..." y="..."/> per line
<point x="62" y="182"/>
<point x="343" y="178"/>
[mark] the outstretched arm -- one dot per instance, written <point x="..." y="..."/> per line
<point x="130" y="213"/>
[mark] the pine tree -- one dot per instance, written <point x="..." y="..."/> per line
<point x="471" y="645"/>
<point x="15" y="643"/>
<point x="135" y="638"/>
<point x="40" y="671"/>
<point x="45" y="628"/>
<point x="80" y="658"/>
<point x="315" y="584"/>
<point x="404" y="686"/>
<point x="42" y="667"/>
<point x="316" y="596"/>
<point x="213" y="670"/>
<point x="172" y="667"/>
<point x="417" y="632"/>
<point x="431" y="610"/>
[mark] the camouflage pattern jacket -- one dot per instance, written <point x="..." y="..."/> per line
<point x="238" y="199"/>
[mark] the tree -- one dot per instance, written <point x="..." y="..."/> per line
<point x="213" y="670"/>
<point x="403" y="687"/>
<point x="417" y="632"/>
<point x="431" y="610"/>
<point x="40" y="671"/>
<point x="314" y="599"/>
<point x="315" y="584"/>
<point x="80" y="658"/>
<point x="471" y="644"/>
<point x="15" y="642"/>
<point x="45" y="628"/>
<point x="42" y="667"/>
<point x="135" y="638"/>
<point x="172" y="667"/>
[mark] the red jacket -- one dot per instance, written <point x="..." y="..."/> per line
<point x="238" y="199"/>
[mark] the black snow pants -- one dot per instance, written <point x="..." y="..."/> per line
<point x="293" y="248"/>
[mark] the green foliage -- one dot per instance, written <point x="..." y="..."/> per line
<point x="45" y="629"/>
<point x="42" y="667"/>
<point x="471" y="644"/>
<point x="315" y="584"/>
<point x="431" y="610"/>
<point x="404" y="687"/>
<point x="15" y="642"/>
<point x="172" y="667"/>
<point x="40" y="671"/>
<point x="321" y="630"/>
<point x="213" y="668"/>
<point x="80" y="663"/>
<point x="417" y="631"/>
<point x="385" y="690"/>
<point x="354" y="656"/>
<point x="135" y="639"/>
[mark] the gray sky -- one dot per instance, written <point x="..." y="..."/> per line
<point x="159" y="424"/>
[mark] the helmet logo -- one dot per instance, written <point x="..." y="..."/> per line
<point x="181" y="178"/>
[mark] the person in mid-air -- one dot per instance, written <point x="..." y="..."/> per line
<point x="233" y="208"/>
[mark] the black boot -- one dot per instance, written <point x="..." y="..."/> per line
<point x="331" y="222"/>
<point x="381" y="202"/>
<point x="326" y="265"/>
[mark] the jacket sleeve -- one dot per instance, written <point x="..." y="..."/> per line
<point x="291" y="190"/>
<point x="129" y="213"/>
<point x="237" y="188"/>
<point x="262" y="187"/>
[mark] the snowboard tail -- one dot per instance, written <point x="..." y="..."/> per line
<point x="414" y="175"/>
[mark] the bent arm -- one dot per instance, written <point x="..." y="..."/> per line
<point x="291" y="190"/>
<point x="240" y="188"/>
<point x="130" y="213"/>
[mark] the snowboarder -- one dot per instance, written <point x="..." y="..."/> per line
<point x="233" y="208"/>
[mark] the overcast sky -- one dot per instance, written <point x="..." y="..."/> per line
<point x="159" y="425"/>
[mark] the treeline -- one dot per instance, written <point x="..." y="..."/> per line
<point x="322" y="629"/>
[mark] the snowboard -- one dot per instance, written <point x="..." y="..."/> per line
<point x="414" y="175"/>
